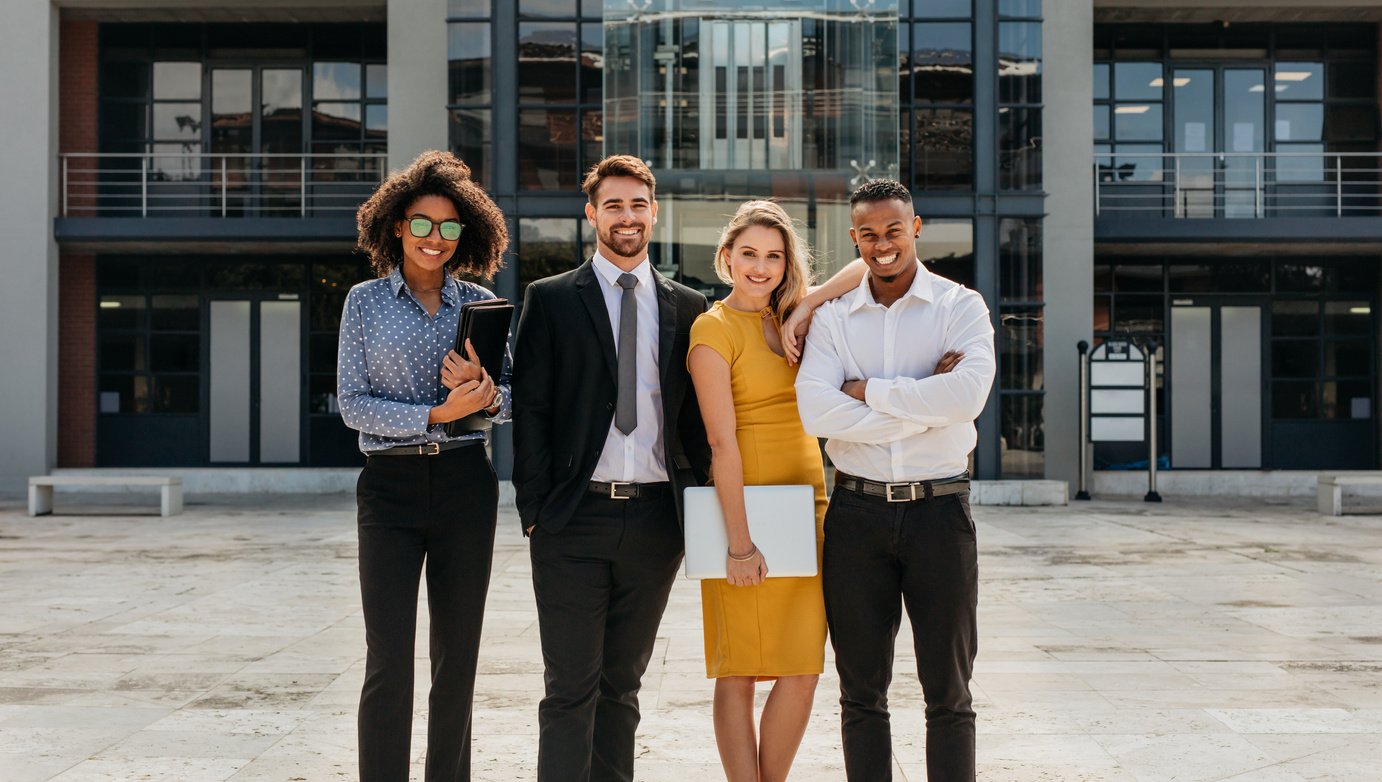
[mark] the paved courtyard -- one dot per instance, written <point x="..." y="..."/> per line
<point x="1120" y="641"/>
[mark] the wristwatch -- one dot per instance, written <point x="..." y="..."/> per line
<point x="495" y="401"/>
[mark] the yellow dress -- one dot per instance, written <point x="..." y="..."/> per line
<point x="778" y="627"/>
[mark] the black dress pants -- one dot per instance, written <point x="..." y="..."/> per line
<point x="438" y="512"/>
<point x="878" y="555"/>
<point x="601" y="585"/>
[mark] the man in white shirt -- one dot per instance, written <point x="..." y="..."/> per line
<point x="894" y="374"/>
<point x="610" y="434"/>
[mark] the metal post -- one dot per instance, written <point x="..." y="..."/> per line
<point x="64" y="186"/>
<point x="1097" y="194"/>
<point x="1152" y="495"/>
<point x="1257" y="186"/>
<point x="144" y="186"/>
<point x="1338" y="185"/>
<point x="223" y="185"/>
<point x="1175" y="204"/>
<point x="302" y="183"/>
<point x="1083" y="347"/>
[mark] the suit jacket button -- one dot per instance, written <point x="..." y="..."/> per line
<point x="609" y="405"/>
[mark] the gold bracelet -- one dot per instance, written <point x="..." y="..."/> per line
<point x="753" y="552"/>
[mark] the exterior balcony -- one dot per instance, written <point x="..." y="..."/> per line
<point x="1244" y="198"/>
<point x="213" y="201"/>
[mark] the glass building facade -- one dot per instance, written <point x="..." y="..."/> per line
<point x="1207" y="183"/>
<point x="796" y="100"/>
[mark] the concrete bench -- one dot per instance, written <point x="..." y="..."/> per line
<point x="1330" y="490"/>
<point x="41" y="489"/>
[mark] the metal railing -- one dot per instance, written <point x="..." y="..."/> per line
<point x="1239" y="184"/>
<point x="213" y="184"/>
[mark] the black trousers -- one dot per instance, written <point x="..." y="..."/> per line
<point x="438" y="512"/>
<point x="601" y="584"/>
<point x="878" y="555"/>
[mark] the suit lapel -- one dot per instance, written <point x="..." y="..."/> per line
<point x="666" y="324"/>
<point x="588" y="286"/>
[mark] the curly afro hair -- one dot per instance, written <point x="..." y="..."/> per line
<point x="480" y="251"/>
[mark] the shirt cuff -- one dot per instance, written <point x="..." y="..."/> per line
<point x="498" y="404"/>
<point x="876" y="395"/>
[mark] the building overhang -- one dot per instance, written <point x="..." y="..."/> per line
<point x="291" y="11"/>
<point x="1330" y="235"/>
<point x="1189" y="11"/>
<point x="205" y="234"/>
<point x="1280" y="229"/>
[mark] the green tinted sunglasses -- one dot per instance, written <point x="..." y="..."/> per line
<point x="421" y="227"/>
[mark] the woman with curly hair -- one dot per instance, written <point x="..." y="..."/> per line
<point x="424" y="498"/>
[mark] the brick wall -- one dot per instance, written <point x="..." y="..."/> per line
<point x="77" y="111"/>
<point x="77" y="360"/>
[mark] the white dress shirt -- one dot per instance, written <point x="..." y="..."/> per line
<point x="635" y="457"/>
<point x="914" y="425"/>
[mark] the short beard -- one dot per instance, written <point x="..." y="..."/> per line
<point x="887" y="279"/>
<point x="613" y="243"/>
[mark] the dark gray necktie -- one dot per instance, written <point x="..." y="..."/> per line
<point x="626" y="413"/>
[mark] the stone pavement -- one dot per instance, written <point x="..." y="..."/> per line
<point x="1119" y="641"/>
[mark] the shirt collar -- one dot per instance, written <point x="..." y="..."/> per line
<point x="610" y="273"/>
<point x="450" y="288"/>
<point x="921" y="288"/>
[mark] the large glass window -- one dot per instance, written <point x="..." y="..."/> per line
<point x="469" y="49"/>
<point x="1021" y="381"/>
<point x="1322" y="362"/>
<point x="153" y="351"/>
<point x="946" y="247"/>
<point x="149" y="344"/>
<point x="1019" y="97"/>
<point x="1319" y="335"/>
<point x="937" y="80"/>
<point x="560" y="93"/>
<point x="551" y="245"/>
<point x="206" y="124"/>
<point x="1292" y="109"/>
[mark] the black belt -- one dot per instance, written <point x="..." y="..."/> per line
<point x="904" y="491"/>
<point x="425" y="449"/>
<point x="620" y="490"/>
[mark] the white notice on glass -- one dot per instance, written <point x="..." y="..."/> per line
<point x="1244" y="136"/>
<point x="1194" y="137"/>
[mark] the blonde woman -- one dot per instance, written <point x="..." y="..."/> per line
<point x="757" y="629"/>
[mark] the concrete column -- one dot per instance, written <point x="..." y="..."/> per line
<point x="28" y="254"/>
<point x="418" y="82"/>
<point x="1068" y="262"/>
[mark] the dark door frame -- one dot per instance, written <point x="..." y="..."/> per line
<point x="255" y="298"/>
<point x="1216" y="302"/>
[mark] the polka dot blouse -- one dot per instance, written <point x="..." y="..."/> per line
<point x="388" y="371"/>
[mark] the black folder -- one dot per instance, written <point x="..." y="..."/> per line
<point x="486" y="324"/>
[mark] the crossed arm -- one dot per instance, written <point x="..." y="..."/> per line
<point x="878" y="410"/>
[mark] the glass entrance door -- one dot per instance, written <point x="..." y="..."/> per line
<point x="752" y="85"/>
<point x="1219" y="114"/>
<point x="256" y="113"/>
<point x="1215" y="384"/>
<point x="254" y="379"/>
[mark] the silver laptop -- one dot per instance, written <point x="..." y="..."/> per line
<point x="782" y="521"/>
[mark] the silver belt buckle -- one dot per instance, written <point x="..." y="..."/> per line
<point x="890" y="487"/>
<point x="614" y="490"/>
<point x="429" y="449"/>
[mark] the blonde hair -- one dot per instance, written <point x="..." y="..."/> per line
<point x="797" y="276"/>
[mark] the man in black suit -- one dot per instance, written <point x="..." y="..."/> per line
<point x="607" y="434"/>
